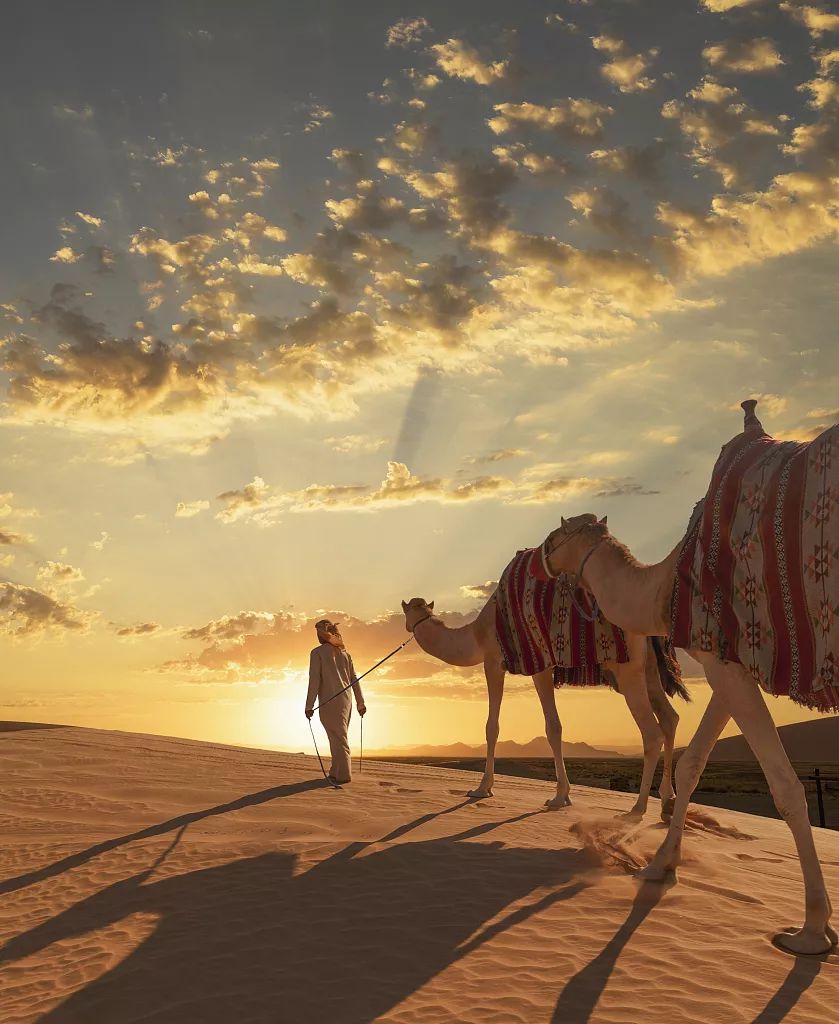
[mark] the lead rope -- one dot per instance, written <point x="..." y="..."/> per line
<point x="334" y="785"/>
<point x="338" y="694"/>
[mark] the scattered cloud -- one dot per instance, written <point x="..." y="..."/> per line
<point x="65" y="254"/>
<point x="459" y="60"/>
<point x="625" y="70"/>
<point x="26" y="612"/>
<point x="356" y="444"/>
<point x="141" y="629"/>
<point x="190" y="509"/>
<point x="90" y="220"/>
<point x="817" y="20"/>
<point x="723" y="6"/>
<point x="743" y="56"/>
<point x="576" y="118"/>
<point x="406" y="32"/>
<point x="479" y="591"/>
<point x="59" y="573"/>
<point x="499" y="455"/>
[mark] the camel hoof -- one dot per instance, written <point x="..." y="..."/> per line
<point x="655" y="873"/>
<point x="633" y="815"/>
<point x="556" y="803"/>
<point x="801" y="942"/>
<point x="479" y="794"/>
<point x="667" y="808"/>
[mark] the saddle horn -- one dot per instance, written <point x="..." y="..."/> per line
<point x="750" y="420"/>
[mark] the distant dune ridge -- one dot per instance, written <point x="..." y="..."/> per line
<point x="537" y="747"/>
<point x="145" y="878"/>
<point x="803" y="741"/>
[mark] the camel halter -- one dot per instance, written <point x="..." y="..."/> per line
<point x="571" y="587"/>
<point x="358" y="679"/>
<point x="413" y="628"/>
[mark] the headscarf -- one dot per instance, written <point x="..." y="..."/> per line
<point x="328" y="633"/>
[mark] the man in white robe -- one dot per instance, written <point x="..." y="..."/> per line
<point x="331" y="671"/>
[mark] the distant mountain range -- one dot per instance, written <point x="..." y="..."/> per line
<point x="537" y="747"/>
<point x="804" y="741"/>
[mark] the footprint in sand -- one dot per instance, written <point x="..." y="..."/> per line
<point x="408" y="790"/>
<point x="701" y="821"/>
<point x="762" y="860"/>
<point x="718" y="890"/>
<point x="388" y="785"/>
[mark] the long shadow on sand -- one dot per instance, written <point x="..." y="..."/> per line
<point x="74" y="860"/>
<point x="580" y="996"/>
<point x="801" y="976"/>
<point x="345" y="942"/>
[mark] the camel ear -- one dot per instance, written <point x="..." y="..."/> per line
<point x="563" y="523"/>
<point x="431" y="606"/>
<point x="603" y="521"/>
<point x="404" y="607"/>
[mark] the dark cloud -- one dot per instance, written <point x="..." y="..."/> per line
<point x="26" y="612"/>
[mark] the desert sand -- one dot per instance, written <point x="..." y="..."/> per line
<point x="164" y="880"/>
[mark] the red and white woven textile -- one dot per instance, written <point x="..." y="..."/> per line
<point x="758" y="575"/>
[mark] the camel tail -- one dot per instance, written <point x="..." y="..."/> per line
<point x="669" y="669"/>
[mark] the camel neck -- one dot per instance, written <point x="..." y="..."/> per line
<point x="455" y="646"/>
<point x="635" y="597"/>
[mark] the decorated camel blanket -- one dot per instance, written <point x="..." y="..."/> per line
<point x="758" y="574"/>
<point x="538" y="627"/>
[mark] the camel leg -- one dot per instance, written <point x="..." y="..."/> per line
<point x="688" y="772"/>
<point x="749" y="710"/>
<point x="668" y="721"/>
<point x="632" y="686"/>
<point x="494" y="672"/>
<point x="544" y="683"/>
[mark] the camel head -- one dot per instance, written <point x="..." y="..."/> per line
<point x="415" y="610"/>
<point x="565" y="548"/>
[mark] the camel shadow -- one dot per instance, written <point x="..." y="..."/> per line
<point x="581" y="994"/>
<point x="75" y="860"/>
<point x="345" y="942"/>
<point x="801" y="976"/>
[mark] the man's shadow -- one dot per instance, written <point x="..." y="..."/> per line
<point x="345" y="942"/>
<point x="75" y="860"/>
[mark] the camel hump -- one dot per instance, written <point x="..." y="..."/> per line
<point x="750" y="420"/>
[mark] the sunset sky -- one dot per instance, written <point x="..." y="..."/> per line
<point x="316" y="307"/>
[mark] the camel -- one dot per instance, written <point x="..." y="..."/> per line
<point x="637" y="681"/>
<point x="638" y="598"/>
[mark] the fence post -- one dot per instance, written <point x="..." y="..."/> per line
<point x="819" y="797"/>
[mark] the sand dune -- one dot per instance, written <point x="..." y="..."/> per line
<point x="163" y="880"/>
<point x="815" y="741"/>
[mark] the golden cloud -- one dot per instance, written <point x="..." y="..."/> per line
<point x="745" y="56"/>
<point x="26" y="612"/>
<point x="816" y="20"/>
<point x="190" y="509"/>
<point x="626" y="70"/>
<point x="406" y="32"/>
<point x="459" y="60"/>
<point x="577" y="118"/>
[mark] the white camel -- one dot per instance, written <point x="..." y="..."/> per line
<point x="637" y="681"/>
<point x="638" y="598"/>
